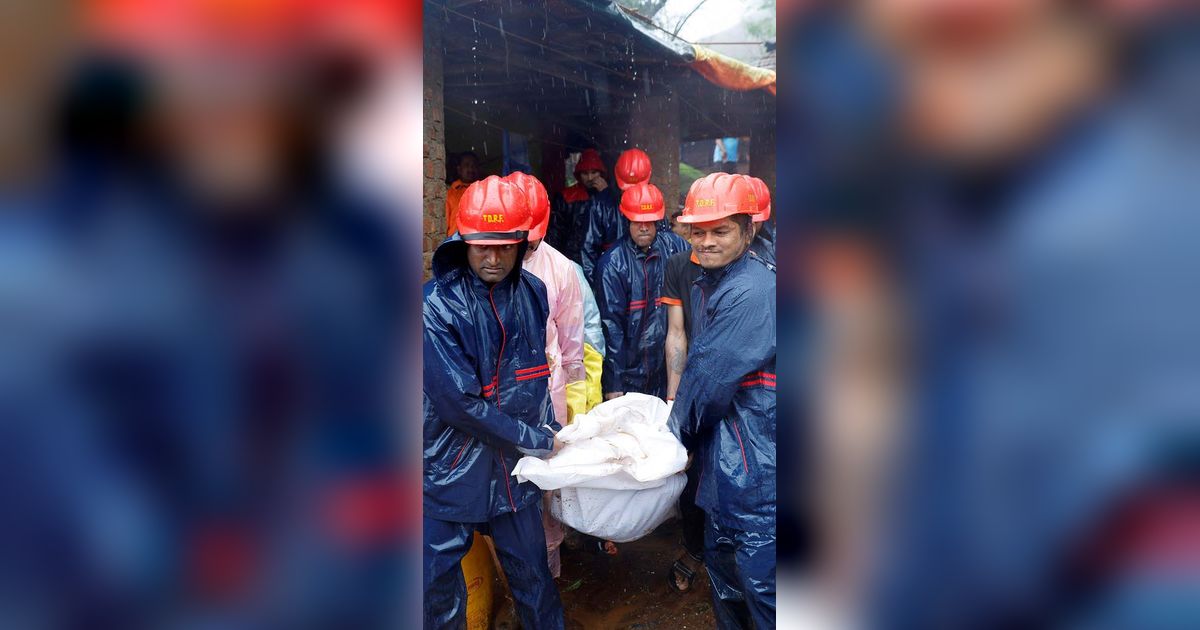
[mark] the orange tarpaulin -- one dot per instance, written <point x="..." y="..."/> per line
<point x="730" y="73"/>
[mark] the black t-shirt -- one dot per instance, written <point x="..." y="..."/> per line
<point x="681" y="272"/>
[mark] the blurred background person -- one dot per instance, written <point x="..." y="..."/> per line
<point x="764" y="236"/>
<point x="467" y="169"/>
<point x="603" y="223"/>
<point x="573" y="207"/>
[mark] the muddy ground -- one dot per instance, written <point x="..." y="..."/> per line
<point x="630" y="590"/>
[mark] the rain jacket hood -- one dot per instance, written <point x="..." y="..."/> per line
<point x="725" y="407"/>
<point x="629" y="292"/>
<point x="449" y="262"/>
<point x="486" y="395"/>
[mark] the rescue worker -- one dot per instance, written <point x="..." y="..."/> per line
<point x="574" y="206"/>
<point x="564" y="331"/>
<point x="764" y="239"/>
<point x="630" y="280"/>
<point x="468" y="172"/>
<point x="725" y="409"/>
<point x="487" y="403"/>
<point x="633" y="168"/>
<point x="603" y="223"/>
<point x="679" y="228"/>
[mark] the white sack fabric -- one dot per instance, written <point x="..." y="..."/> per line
<point x="618" y="515"/>
<point x="619" y="470"/>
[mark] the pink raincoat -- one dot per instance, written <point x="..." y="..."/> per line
<point x="564" y="330"/>
<point x="564" y="351"/>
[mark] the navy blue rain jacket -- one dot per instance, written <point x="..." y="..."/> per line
<point x="605" y="226"/>
<point x="486" y="395"/>
<point x="725" y="406"/>
<point x="568" y="222"/>
<point x="635" y="322"/>
<point x="764" y="243"/>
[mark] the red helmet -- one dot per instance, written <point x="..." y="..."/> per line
<point x="763" y="195"/>
<point x="493" y="212"/>
<point x="633" y="167"/>
<point x="643" y="202"/>
<point x="589" y="160"/>
<point x="718" y="196"/>
<point x="537" y="200"/>
<point x="691" y="194"/>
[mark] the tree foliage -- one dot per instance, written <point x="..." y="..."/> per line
<point x="760" y="19"/>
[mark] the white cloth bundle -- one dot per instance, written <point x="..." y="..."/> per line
<point x="619" y="473"/>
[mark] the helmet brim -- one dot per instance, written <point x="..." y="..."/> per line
<point x="494" y="238"/>
<point x="643" y="217"/>
<point x="626" y="185"/>
<point x="705" y="218"/>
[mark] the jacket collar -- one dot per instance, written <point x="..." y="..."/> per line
<point x="713" y="277"/>
<point x="657" y="247"/>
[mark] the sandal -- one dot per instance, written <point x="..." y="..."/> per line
<point x="605" y="547"/>
<point x="681" y="570"/>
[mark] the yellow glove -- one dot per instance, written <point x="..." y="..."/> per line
<point x="577" y="400"/>
<point x="593" y="364"/>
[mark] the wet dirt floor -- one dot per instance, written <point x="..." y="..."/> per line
<point x="630" y="590"/>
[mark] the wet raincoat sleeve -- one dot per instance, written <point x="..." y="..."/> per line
<point x="593" y="333"/>
<point x="614" y="315"/>
<point x="729" y="347"/>
<point x="556" y="232"/>
<point x="593" y="347"/>
<point x="570" y="326"/>
<point x="592" y="250"/>
<point x="603" y="230"/>
<point x="453" y="389"/>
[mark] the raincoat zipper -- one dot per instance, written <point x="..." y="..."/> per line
<point x="645" y="316"/>
<point x="496" y="390"/>
<point x="736" y="432"/>
<point x="462" y="450"/>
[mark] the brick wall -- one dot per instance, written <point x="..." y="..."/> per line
<point x="434" y="130"/>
